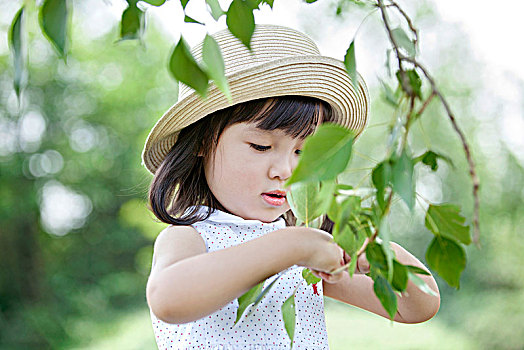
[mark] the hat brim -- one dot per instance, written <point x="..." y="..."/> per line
<point x="321" y="77"/>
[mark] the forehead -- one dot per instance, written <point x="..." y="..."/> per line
<point x="252" y="129"/>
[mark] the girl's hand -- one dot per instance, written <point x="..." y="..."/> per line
<point x="362" y="263"/>
<point x="362" y="268"/>
<point x="322" y="254"/>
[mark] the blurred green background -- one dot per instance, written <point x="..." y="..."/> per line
<point x="76" y="236"/>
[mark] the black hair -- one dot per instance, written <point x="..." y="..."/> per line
<point x="180" y="185"/>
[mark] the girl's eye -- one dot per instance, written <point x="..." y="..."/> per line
<point x="298" y="151"/>
<point x="259" y="147"/>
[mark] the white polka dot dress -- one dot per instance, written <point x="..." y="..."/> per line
<point x="264" y="328"/>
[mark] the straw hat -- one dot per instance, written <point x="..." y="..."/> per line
<point x="283" y="61"/>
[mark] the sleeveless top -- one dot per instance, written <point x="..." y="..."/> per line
<point x="264" y="328"/>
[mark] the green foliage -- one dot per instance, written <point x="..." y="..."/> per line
<point x="447" y="258"/>
<point x="16" y="44"/>
<point x="385" y="294"/>
<point x="402" y="179"/>
<point x="155" y="2"/>
<point x="445" y="220"/>
<point x="381" y="176"/>
<point x="54" y="17"/>
<point x="188" y="19"/>
<point x="351" y="64"/>
<point x="402" y="39"/>
<point x="248" y="298"/>
<point x="131" y="25"/>
<point x="430" y="159"/>
<point x="184" y="68"/>
<point x="311" y="199"/>
<point x="288" y="315"/>
<point x="412" y="79"/>
<point x="419" y="282"/>
<point x="214" y="63"/>
<point x="215" y="9"/>
<point x="309" y="277"/>
<point x="240" y="20"/>
<point x="325" y="154"/>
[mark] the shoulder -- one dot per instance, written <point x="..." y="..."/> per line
<point x="176" y="243"/>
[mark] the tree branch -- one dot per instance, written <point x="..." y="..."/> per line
<point x="435" y="91"/>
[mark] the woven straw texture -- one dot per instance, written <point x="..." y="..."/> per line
<point x="282" y="62"/>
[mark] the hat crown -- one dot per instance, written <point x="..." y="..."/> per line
<point x="269" y="43"/>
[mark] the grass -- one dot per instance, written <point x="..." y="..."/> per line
<point x="348" y="328"/>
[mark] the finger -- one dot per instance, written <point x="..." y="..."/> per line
<point x="332" y="278"/>
<point x="315" y="273"/>
<point x="347" y="258"/>
<point x="363" y="264"/>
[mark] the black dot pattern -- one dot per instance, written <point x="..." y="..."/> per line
<point x="264" y="328"/>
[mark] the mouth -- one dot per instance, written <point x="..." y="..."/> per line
<point x="275" y="198"/>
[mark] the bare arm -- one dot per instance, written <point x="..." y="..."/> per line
<point x="413" y="307"/>
<point x="186" y="283"/>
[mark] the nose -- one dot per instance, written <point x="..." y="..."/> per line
<point x="282" y="167"/>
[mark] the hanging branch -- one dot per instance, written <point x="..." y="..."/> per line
<point x="435" y="91"/>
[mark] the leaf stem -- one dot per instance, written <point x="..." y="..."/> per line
<point x="435" y="91"/>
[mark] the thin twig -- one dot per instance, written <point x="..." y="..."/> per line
<point x="401" y="58"/>
<point x="465" y="145"/>
<point x="426" y="103"/>
<point x="408" y="20"/>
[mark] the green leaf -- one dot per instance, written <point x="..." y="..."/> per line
<point x="385" y="234"/>
<point x="184" y="3"/>
<point x="381" y="177"/>
<point x="212" y="58"/>
<point x="265" y="291"/>
<point x="310" y="1"/>
<point x="353" y="264"/>
<point x="389" y="94"/>
<point x="288" y="314"/>
<point x="155" y="2"/>
<point x="430" y="159"/>
<point x="417" y="270"/>
<point x="248" y="298"/>
<point x="343" y="187"/>
<point x="447" y="258"/>
<point x="309" y="277"/>
<point x="16" y="43"/>
<point x="215" y="9"/>
<point x="240" y="21"/>
<point x="351" y="64"/>
<point x="385" y="294"/>
<point x="131" y="24"/>
<point x="269" y="2"/>
<point x="376" y="257"/>
<point x="188" y="19"/>
<point x="184" y="68"/>
<point x="349" y="207"/>
<point x="404" y="42"/>
<point x="302" y="199"/>
<point x="402" y="179"/>
<point x="446" y="220"/>
<point x="53" y="18"/>
<point x="400" y="276"/>
<point x="346" y="239"/>
<point x="419" y="282"/>
<point x="414" y="81"/>
<point x="325" y="154"/>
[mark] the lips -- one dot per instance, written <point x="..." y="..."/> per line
<point x="275" y="198"/>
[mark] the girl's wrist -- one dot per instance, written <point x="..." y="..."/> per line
<point x="297" y="245"/>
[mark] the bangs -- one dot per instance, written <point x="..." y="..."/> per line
<point x="297" y="116"/>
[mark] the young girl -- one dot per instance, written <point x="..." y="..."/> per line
<point x="219" y="172"/>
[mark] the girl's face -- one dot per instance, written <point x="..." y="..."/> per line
<point x="250" y="167"/>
